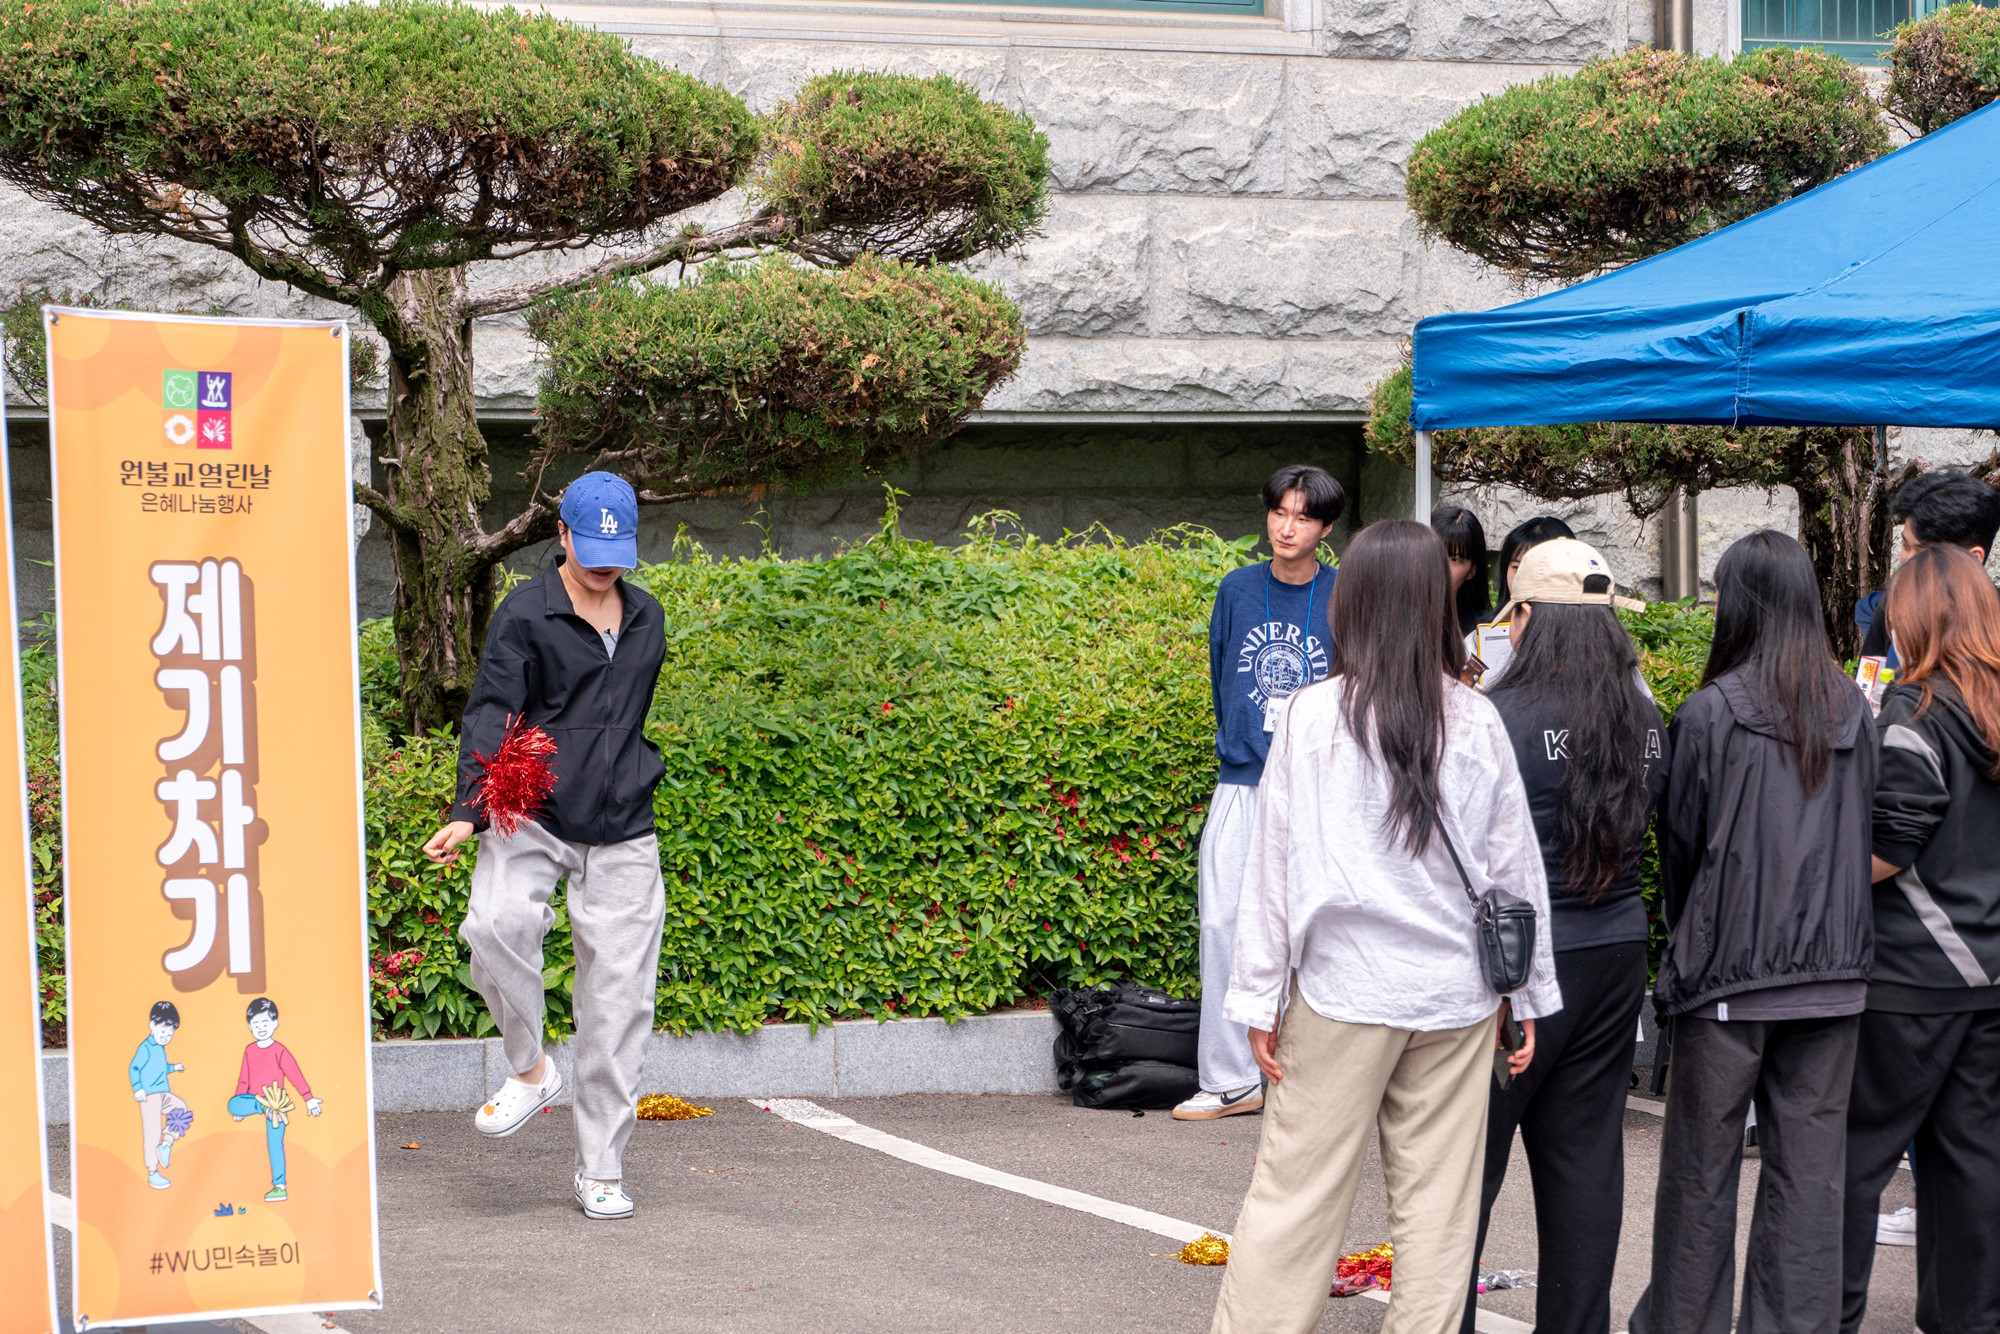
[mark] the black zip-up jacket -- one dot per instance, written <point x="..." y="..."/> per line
<point x="1937" y="814"/>
<point x="547" y="664"/>
<point x="1763" y="885"/>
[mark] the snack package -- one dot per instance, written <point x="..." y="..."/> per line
<point x="1868" y="678"/>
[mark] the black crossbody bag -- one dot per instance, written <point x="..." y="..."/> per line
<point x="1506" y="928"/>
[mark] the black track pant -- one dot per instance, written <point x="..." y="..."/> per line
<point x="1799" y="1072"/>
<point x="1934" y="1079"/>
<point x="1570" y="1107"/>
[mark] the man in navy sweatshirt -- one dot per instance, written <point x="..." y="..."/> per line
<point x="1267" y="637"/>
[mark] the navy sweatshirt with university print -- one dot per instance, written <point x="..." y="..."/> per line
<point x="1266" y="638"/>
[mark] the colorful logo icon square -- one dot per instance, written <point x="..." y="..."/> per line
<point x="177" y="392"/>
<point x="215" y="432"/>
<point x="179" y="427"/>
<point x="214" y="391"/>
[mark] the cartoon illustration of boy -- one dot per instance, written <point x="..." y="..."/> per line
<point x="163" y="1117"/>
<point x="267" y="1065"/>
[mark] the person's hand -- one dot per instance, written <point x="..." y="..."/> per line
<point x="1517" y="1060"/>
<point x="138" y="1095"/>
<point x="1264" y="1046"/>
<point x="175" y="1069"/>
<point x="444" y="844"/>
<point x="312" y="1106"/>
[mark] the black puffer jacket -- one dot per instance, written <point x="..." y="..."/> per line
<point x="1764" y="886"/>
<point x="547" y="664"/>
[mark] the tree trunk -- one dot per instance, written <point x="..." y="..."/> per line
<point x="1844" y="527"/>
<point x="434" y="462"/>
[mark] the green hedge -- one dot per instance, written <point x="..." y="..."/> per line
<point x="901" y="781"/>
<point x="904" y="780"/>
<point x="1673" y="647"/>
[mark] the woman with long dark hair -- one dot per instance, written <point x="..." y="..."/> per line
<point x="1520" y="540"/>
<point x="1927" y="1067"/>
<point x="1590" y="746"/>
<point x="1764" y="858"/>
<point x="1351" y="908"/>
<point x="1464" y="541"/>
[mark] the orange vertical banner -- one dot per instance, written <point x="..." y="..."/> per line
<point x="27" y="1264"/>
<point x="221" y="1138"/>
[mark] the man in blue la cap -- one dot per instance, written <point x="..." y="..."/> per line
<point x="576" y="652"/>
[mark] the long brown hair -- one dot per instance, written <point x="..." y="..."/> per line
<point x="1395" y="641"/>
<point x="1946" y="618"/>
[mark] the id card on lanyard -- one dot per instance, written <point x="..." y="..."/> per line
<point x="1274" y="702"/>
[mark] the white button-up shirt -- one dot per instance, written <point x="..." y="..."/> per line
<point x="1376" y="936"/>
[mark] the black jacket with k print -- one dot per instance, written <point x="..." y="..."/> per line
<point x="545" y="663"/>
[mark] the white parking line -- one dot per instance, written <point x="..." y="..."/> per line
<point x="800" y="1111"/>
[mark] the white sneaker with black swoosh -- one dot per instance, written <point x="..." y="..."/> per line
<point x="1206" y="1106"/>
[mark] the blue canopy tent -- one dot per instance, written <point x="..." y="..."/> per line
<point x="1872" y="300"/>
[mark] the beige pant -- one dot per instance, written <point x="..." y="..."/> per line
<point x="1426" y="1093"/>
<point x="153" y="1124"/>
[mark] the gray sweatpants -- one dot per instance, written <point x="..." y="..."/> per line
<point x="617" y="903"/>
<point x="1222" y="1052"/>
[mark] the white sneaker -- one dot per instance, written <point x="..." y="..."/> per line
<point x="516" y="1101"/>
<point x="1897" y="1229"/>
<point x="602" y="1199"/>
<point x="1205" y="1106"/>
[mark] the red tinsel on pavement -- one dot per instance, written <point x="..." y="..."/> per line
<point x="1363" y="1270"/>
<point x="518" y="777"/>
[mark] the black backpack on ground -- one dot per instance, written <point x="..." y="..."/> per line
<point x="1126" y="1046"/>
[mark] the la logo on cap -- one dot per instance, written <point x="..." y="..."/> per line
<point x="609" y="523"/>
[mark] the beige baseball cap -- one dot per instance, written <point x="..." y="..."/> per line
<point x="1557" y="571"/>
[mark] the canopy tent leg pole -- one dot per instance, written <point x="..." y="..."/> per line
<point x="1680" y="546"/>
<point x="1423" y="514"/>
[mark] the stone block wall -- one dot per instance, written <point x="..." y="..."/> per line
<point x="1227" y="242"/>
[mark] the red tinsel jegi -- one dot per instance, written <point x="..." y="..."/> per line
<point x="518" y="777"/>
<point x="1363" y="1270"/>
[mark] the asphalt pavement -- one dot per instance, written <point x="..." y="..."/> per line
<point x="748" y="1221"/>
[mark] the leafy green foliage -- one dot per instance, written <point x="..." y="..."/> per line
<point x="38" y="697"/>
<point x="1673" y="649"/>
<point x="1633" y="154"/>
<point x="1644" y="460"/>
<point x="765" y="370"/>
<point x="1944" y="66"/>
<point x="915" y="169"/>
<point x="333" y="145"/>
<point x="901" y="781"/>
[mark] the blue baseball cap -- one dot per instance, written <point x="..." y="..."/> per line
<point x="603" y="518"/>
